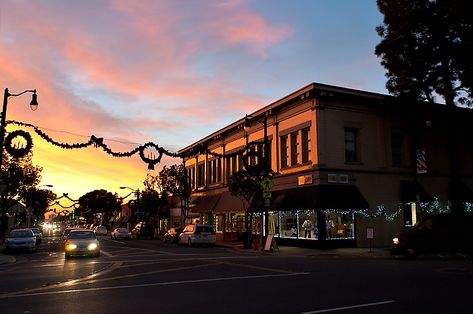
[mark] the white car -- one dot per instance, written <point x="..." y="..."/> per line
<point x="21" y="239"/>
<point x="198" y="234"/>
<point x="101" y="230"/>
<point x="120" y="233"/>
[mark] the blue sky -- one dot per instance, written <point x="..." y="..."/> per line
<point x="170" y="72"/>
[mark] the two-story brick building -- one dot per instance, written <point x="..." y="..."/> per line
<point x="343" y="160"/>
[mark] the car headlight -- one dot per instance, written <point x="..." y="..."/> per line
<point x="71" y="246"/>
<point x="396" y="241"/>
<point x="92" y="246"/>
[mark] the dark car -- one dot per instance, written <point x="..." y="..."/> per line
<point x="436" y="234"/>
<point x="143" y="230"/>
<point x="172" y="235"/>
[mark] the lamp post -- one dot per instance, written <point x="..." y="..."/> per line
<point x="266" y="183"/>
<point x="6" y="95"/>
<point x="137" y="194"/>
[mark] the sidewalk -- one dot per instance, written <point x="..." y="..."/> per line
<point x="312" y="252"/>
<point x="4" y="258"/>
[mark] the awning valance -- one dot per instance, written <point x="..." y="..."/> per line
<point x="461" y="192"/>
<point x="413" y="191"/>
<point x="206" y="203"/>
<point x="324" y="196"/>
<point x="230" y="203"/>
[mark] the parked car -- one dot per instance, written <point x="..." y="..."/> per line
<point x="38" y="234"/>
<point x="120" y="233"/>
<point x="198" y="234"/>
<point x="21" y="239"/>
<point x="172" y="235"/>
<point x="143" y="230"/>
<point x="81" y="242"/>
<point x="101" y="230"/>
<point x="436" y="234"/>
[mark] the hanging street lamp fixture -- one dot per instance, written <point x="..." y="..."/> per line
<point x="6" y="95"/>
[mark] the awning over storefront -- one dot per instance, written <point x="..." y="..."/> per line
<point x="324" y="196"/>
<point x="461" y="192"/>
<point x="230" y="203"/>
<point x="206" y="203"/>
<point x="413" y="191"/>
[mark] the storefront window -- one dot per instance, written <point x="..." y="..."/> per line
<point x="303" y="224"/>
<point x="308" y="226"/>
<point x="340" y="226"/>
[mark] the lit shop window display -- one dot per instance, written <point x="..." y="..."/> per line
<point x="303" y="224"/>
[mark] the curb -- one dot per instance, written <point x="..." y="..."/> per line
<point x="6" y="259"/>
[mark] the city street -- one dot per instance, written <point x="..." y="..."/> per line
<point x="147" y="276"/>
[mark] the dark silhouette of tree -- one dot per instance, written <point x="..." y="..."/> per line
<point x="247" y="188"/>
<point x="99" y="201"/>
<point x="174" y="182"/>
<point x="39" y="200"/>
<point x="426" y="48"/>
<point x="16" y="175"/>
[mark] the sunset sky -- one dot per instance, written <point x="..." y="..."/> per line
<point x="169" y="72"/>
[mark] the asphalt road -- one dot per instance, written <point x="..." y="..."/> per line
<point x="147" y="276"/>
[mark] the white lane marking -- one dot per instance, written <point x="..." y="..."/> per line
<point x="168" y="283"/>
<point x="349" y="307"/>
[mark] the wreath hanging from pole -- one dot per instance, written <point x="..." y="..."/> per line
<point x="18" y="152"/>
<point x="253" y="169"/>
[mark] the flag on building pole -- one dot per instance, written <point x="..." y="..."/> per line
<point x="420" y="161"/>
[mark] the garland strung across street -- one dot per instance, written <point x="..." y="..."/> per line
<point x="98" y="142"/>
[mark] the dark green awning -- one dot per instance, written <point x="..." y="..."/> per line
<point x="324" y="196"/>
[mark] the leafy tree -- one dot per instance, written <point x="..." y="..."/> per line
<point x="99" y="201"/>
<point x="38" y="199"/>
<point x="174" y="182"/>
<point x="247" y="188"/>
<point x="16" y="176"/>
<point x="154" y="206"/>
<point x="426" y="48"/>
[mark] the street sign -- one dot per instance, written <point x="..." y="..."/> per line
<point x="267" y="195"/>
<point x="266" y="184"/>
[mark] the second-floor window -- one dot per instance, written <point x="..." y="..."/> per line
<point x="294" y="148"/>
<point x="305" y="145"/>
<point x="191" y="177"/>
<point x="201" y="175"/>
<point x="284" y="151"/>
<point x="352" y="153"/>
<point x="214" y="171"/>
<point x="400" y="154"/>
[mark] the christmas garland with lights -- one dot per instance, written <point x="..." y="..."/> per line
<point x="18" y="152"/>
<point x="150" y="160"/>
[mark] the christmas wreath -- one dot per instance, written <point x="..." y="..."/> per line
<point x="18" y="152"/>
<point x="255" y="169"/>
<point x="151" y="162"/>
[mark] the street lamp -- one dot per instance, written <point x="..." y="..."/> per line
<point x="137" y="195"/>
<point x="6" y="95"/>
